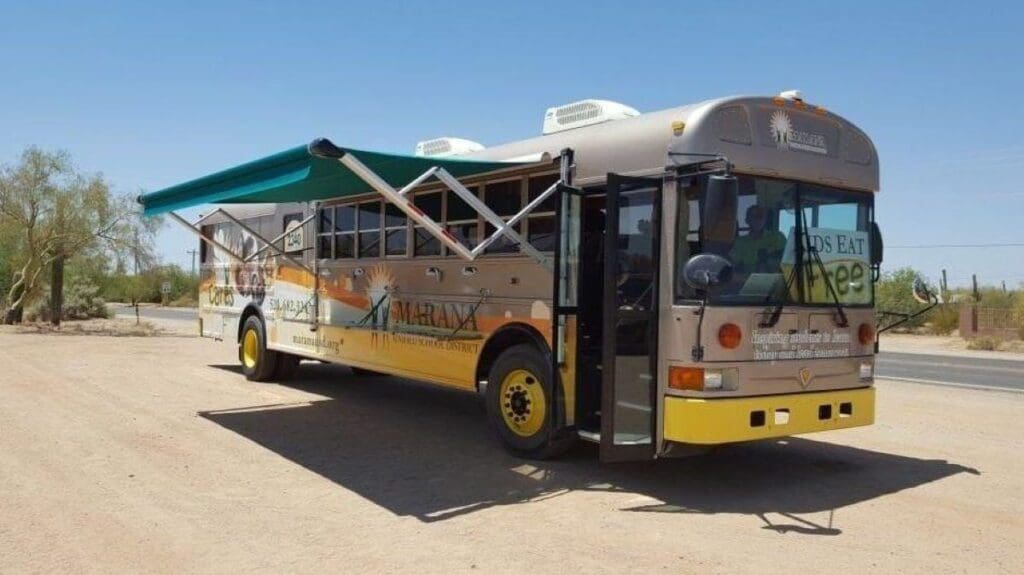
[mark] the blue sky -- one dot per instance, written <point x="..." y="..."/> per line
<point x="155" y="95"/>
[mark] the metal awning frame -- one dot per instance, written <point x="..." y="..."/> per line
<point x="267" y="244"/>
<point x="400" y="199"/>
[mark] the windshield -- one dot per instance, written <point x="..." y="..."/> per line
<point x="835" y="224"/>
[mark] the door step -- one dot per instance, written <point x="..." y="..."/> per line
<point x="592" y="436"/>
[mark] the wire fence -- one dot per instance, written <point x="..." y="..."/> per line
<point x="991" y="321"/>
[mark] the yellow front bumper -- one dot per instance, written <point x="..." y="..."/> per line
<point x="712" y="421"/>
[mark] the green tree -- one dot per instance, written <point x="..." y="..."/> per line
<point x="58" y="214"/>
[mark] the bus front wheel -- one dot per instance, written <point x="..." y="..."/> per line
<point x="519" y="404"/>
<point x="258" y="362"/>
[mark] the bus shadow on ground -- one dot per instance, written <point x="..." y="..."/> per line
<point x="427" y="452"/>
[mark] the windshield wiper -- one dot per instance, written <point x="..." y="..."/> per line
<point x="794" y="273"/>
<point x="773" y="318"/>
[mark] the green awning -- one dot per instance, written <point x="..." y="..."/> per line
<point x="301" y="174"/>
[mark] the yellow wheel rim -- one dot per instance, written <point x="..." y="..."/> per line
<point x="250" y="348"/>
<point x="523" y="406"/>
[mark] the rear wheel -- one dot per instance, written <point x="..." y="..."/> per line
<point x="258" y="362"/>
<point x="520" y="406"/>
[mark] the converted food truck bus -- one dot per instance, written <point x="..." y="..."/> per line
<point x="652" y="282"/>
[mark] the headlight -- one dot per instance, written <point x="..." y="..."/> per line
<point x="713" y="379"/>
<point x="700" y="379"/>
<point x="867" y="370"/>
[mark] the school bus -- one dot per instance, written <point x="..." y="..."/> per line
<point x="657" y="283"/>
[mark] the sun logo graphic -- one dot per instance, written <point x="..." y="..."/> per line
<point x="379" y="284"/>
<point x="781" y="128"/>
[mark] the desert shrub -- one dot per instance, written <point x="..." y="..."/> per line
<point x="186" y="300"/>
<point x="145" y="287"/>
<point x="944" y="319"/>
<point x="984" y="343"/>
<point x="997" y="298"/>
<point x="131" y="288"/>
<point x="81" y="301"/>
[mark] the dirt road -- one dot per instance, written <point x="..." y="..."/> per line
<point x="155" y="455"/>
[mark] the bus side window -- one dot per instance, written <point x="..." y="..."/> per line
<point x="461" y="219"/>
<point x="688" y="234"/>
<point x="424" y="243"/>
<point x="368" y="225"/>
<point x="345" y="232"/>
<point x="324" y="236"/>
<point x="395" y="230"/>
<point x="505" y="199"/>
<point x="541" y="221"/>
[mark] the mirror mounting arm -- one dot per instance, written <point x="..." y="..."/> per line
<point x="717" y="157"/>
<point x="905" y="317"/>
<point x="697" y="351"/>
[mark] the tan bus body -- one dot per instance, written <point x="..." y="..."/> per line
<point x="388" y="298"/>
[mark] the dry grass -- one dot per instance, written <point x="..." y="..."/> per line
<point x="984" y="343"/>
<point x="100" y="327"/>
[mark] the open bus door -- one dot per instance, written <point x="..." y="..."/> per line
<point x="629" y="347"/>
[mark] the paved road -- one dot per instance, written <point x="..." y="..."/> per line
<point x="153" y="312"/>
<point x="952" y="370"/>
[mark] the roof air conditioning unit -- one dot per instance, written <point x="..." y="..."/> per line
<point x="439" y="147"/>
<point x="792" y="95"/>
<point x="585" y="113"/>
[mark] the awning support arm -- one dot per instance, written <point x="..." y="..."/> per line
<point x="515" y="220"/>
<point x="209" y="241"/>
<point x="280" y="237"/>
<point x="274" y="248"/>
<point x="492" y="218"/>
<point x="392" y="195"/>
<point x="401" y="201"/>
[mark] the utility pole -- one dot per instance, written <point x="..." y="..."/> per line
<point x="945" y="285"/>
<point x="193" y="252"/>
<point x="974" y="306"/>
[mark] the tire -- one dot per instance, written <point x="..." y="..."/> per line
<point x="520" y="407"/>
<point x="287" y="366"/>
<point x="258" y="362"/>
<point x="363" y="372"/>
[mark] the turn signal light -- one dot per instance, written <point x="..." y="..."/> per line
<point x="866" y="334"/>
<point x="729" y="335"/>
<point x="686" y="378"/>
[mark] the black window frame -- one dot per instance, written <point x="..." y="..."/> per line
<point x="542" y="212"/>
<point x="504" y="245"/>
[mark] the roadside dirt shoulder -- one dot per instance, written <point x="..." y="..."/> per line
<point x="942" y="345"/>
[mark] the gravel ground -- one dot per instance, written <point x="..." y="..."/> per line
<point x="946" y="345"/>
<point x="153" y="454"/>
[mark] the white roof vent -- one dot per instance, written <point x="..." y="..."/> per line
<point x="585" y="113"/>
<point x="447" y="147"/>
<point x="792" y="95"/>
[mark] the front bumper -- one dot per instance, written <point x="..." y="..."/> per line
<point x="714" y="421"/>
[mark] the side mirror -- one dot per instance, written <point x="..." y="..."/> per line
<point x="876" y="244"/>
<point x="719" y="223"/>
<point x="922" y="293"/>
<point x="707" y="272"/>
